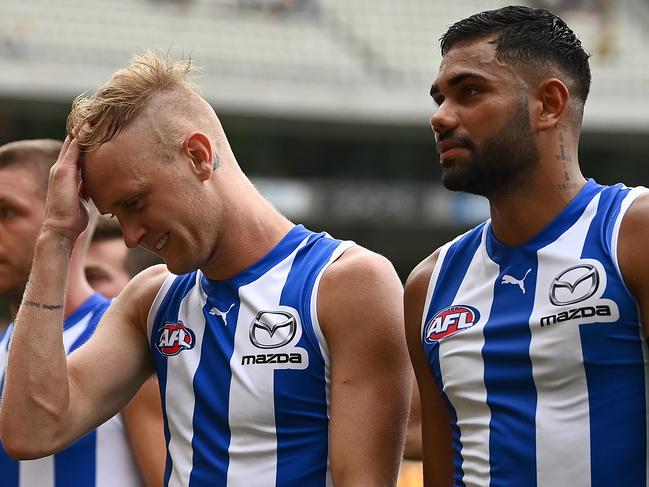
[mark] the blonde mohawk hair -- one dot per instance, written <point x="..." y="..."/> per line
<point x="106" y="113"/>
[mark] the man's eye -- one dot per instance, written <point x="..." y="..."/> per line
<point x="133" y="204"/>
<point x="94" y="276"/>
<point x="469" y="91"/>
<point x="7" y="213"/>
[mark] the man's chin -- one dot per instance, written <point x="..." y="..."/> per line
<point x="460" y="182"/>
<point x="179" y="268"/>
<point x="451" y="179"/>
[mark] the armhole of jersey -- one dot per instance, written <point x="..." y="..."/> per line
<point x="626" y="204"/>
<point x="4" y="354"/>
<point x="437" y="269"/>
<point x="431" y="285"/>
<point x="153" y="311"/>
<point x="324" y="348"/>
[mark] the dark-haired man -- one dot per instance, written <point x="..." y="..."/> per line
<point x="525" y="332"/>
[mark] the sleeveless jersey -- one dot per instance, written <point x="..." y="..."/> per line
<point x="539" y="352"/>
<point x="101" y="458"/>
<point x="244" y="370"/>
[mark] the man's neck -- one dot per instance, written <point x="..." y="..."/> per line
<point x="519" y="216"/>
<point x="246" y="241"/>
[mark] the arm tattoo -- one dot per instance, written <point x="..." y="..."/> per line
<point x="42" y="305"/>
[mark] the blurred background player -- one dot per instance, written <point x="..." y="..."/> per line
<point x="109" y="264"/>
<point x="103" y="456"/>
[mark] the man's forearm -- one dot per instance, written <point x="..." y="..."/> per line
<point x="36" y="393"/>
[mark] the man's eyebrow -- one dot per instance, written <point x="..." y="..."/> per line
<point x="140" y="191"/>
<point x="456" y="80"/>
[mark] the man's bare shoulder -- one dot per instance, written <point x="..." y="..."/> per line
<point x="359" y="264"/>
<point x="633" y="237"/>
<point x="360" y="283"/>
<point x="138" y="295"/>
<point x="419" y="278"/>
<point x="637" y="216"/>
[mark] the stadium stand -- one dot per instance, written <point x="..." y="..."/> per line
<point x="338" y="58"/>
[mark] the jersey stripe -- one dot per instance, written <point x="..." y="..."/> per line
<point x="302" y="441"/>
<point x="444" y="297"/>
<point x="559" y="430"/>
<point x="163" y="296"/>
<point x="113" y="455"/>
<point x="209" y="444"/>
<point x="181" y="397"/>
<point x="77" y="467"/>
<point x="473" y="400"/>
<point x="244" y="401"/>
<point x="37" y="472"/>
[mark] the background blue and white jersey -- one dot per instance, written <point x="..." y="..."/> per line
<point x="540" y="353"/>
<point x="244" y="370"/>
<point x="103" y="457"/>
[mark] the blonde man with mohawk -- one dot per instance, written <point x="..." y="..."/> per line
<point x="275" y="347"/>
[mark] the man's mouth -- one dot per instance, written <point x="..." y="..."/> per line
<point x="161" y="243"/>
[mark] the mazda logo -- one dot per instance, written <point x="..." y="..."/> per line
<point x="574" y="285"/>
<point x="272" y="329"/>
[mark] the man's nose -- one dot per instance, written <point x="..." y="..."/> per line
<point x="444" y="118"/>
<point x="132" y="232"/>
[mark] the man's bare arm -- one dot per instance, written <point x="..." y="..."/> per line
<point x="435" y="418"/>
<point x="632" y="257"/>
<point x="49" y="401"/>
<point x="143" y="421"/>
<point x="360" y="309"/>
<point x="37" y="360"/>
<point x="37" y="356"/>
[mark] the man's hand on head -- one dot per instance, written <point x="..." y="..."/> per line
<point x="66" y="209"/>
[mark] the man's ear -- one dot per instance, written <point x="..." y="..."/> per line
<point x="552" y="97"/>
<point x="198" y="148"/>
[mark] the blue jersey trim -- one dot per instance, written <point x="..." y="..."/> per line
<point x="282" y="250"/>
<point x="614" y="364"/>
<point x="301" y="395"/>
<point x="507" y="255"/>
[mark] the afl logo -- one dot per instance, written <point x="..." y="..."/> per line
<point x="173" y="338"/>
<point x="450" y="321"/>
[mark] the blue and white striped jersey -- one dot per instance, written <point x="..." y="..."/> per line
<point x="103" y="457"/>
<point x="540" y="353"/>
<point x="244" y="370"/>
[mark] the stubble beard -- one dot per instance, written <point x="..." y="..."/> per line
<point x="501" y="164"/>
